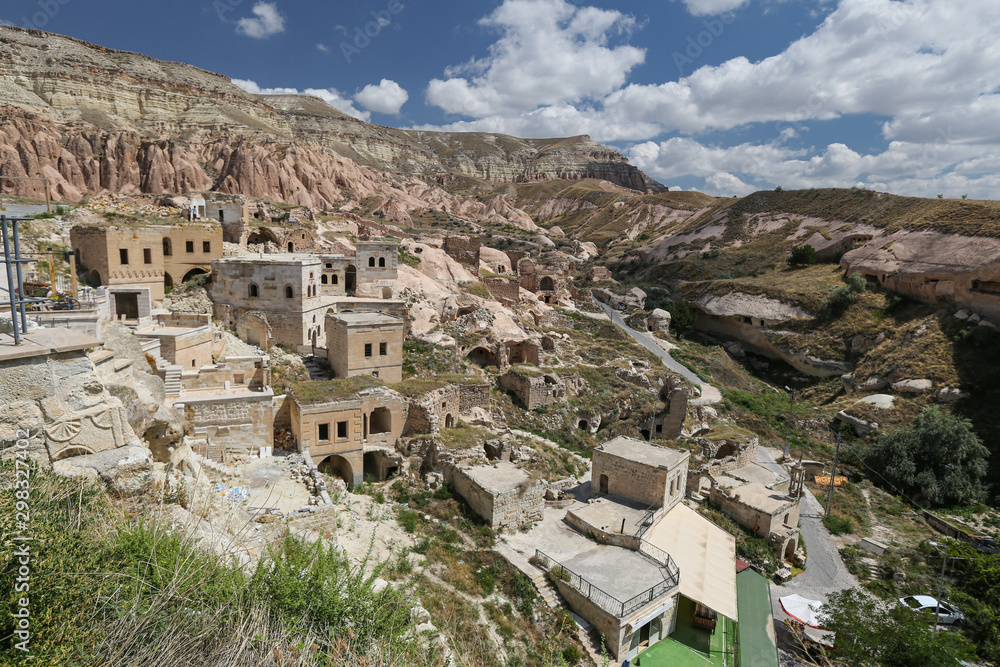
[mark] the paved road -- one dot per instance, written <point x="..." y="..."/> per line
<point x="709" y="394"/>
<point x="13" y="211"/>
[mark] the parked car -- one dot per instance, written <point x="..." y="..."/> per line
<point x="947" y="614"/>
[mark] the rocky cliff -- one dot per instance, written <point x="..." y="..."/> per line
<point x="90" y="119"/>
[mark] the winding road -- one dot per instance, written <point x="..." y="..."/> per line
<point x="709" y="394"/>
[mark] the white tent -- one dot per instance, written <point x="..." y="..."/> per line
<point x="805" y="611"/>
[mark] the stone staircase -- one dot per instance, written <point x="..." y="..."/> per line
<point x="316" y="370"/>
<point x="172" y="381"/>
<point x="586" y="633"/>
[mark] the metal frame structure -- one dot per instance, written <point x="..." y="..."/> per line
<point x="12" y="266"/>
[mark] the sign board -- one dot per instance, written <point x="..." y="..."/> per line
<point x="824" y="480"/>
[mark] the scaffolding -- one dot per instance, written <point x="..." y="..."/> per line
<point x="16" y="297"/>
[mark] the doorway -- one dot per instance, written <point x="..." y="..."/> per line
<point x="127" y="305"/>
<point x="603" y="486"/>
<point x="351" y="279"/>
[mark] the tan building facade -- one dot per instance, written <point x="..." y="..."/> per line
<point x="366" y="344"/>
<point x="640" y="471"/>
<point x="346" y="437"/>
<point x="157" y="257"/>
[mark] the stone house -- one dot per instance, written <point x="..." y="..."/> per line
<point x="366" y="344"/>
<point x="533" y="388"/>
<point x="229" y="425"/>
<point x="350" y="436"/>
<point x="505" y="496"/>
<point x="644" y="473"/>
<point x="157" y="257"/>
<point x="443" y="406"/>
<point x="769" y="514"/>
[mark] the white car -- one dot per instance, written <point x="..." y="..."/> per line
<point x="947" y="614"/>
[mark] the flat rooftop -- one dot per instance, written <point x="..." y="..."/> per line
<point x="617" y="571"/>
<point x="501" y="477"/>
<point x="762" y="498"/>
<point x="365" y="319"/>
<point x="220" y="394"/>
<point x="165" y="331"/>
<point x="607" y="513"/>
<point x="43" y="342"/>
<point x="643" y="452"/>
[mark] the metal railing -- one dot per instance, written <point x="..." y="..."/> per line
<point x="647" y="521"/>
<point x="602" y="598"/>
<point x="662" y="559"/>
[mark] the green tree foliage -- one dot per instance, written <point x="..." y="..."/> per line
<point x="844" y="296"/>
<point x="802" y="256"/>
<point x="657" y="297"/>
<point x="873" y="632"/>
<point x="682" y="318"/>
<point x="940" y="459"/>
<point x="978" y="596"/>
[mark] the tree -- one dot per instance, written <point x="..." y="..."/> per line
<point x="940" y="459"/>
<point x="802" y="255"/>
<point x="682" y="318"/>
<point x="873" y="632"/>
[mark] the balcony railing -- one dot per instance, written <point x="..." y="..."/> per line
<point x="602" y="598"/>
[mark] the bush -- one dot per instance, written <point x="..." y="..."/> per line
<point x="572" y="654"/>
<point x="838" y="525"/>
<point x="802" y="256"/>
<point x="840" y="300"/>
<point x="407" y="519"/>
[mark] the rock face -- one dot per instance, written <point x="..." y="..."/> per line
<point x="92" y="119"/>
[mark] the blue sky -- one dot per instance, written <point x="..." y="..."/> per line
<point x="724" y="96"/>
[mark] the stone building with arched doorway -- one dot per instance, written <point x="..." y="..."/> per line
<point x="364" y="423"/>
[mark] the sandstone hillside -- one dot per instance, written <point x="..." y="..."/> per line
<point x="93" y="119"/>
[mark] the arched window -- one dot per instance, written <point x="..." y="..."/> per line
<point x="371" y="261"/>
<point x="168" y="248"/>
<point x="289" y="292"/>
<point x="334" y="279"/>
<point x="254" y="291"/>
<point x="325" y="279"/>
<point x="381" y="262"/>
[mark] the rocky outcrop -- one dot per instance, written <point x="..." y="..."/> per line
<point x="92" y="119"/>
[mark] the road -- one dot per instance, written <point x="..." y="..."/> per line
<point x="709" y="394"/>
<point x="13" y="211"/>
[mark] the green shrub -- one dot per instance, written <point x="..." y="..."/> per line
<point x="442" y="493"/>
<point x="572" y="654"/>
<point x="802" y="256"/>
<point x="838" y="525"/>
<point x="407" y="519"/>
<point x="840" y="300"/>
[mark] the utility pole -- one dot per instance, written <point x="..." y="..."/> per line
<point x="937" y="610"/>
<point x="788" y="424"/>
<point x="833" y="477"/>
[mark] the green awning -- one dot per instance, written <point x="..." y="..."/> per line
<point x="758" y="646"/>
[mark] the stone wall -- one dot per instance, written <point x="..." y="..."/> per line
<point x="473" y="396"/>
<point x="465" y="250"/>
<point x="64" y="404"/>
<point x="507" y="507"/>
<point x="533" y="390"/>
<point x="643" y="483"/>
<point x="235" y="425"/>
<point x="672" y="419"/>
<point x="254" y="373"/>
<point x="755" y="518"/>
<point x="503" y="289"/>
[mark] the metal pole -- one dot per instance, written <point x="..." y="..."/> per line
<point x="20" y="276"/>
<point x="937" y="610"/>
<point x="10" y="280"/>
<point x="72" y="275"/>
<point x="788" y="424"/>
<point x="833" y="477"/>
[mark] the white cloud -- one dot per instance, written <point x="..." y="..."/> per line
<point x="331" y="96"/>
<point x="268" y="21"/>
<point x="388" y="97"/>
<point x="549" y="53"/>
<point x="713" y="7"/>
<point x="323" y="47"/>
